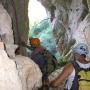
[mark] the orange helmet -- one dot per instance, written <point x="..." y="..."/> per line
<point x="34" y="42"/>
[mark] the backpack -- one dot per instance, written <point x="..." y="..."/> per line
<point x="50" y="62"/>
<point x="82" y="78"/>
<point x="48" y="67"/>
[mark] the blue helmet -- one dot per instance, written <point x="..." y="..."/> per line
<point x="81" y="48"/>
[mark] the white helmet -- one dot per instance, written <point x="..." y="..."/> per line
<point x="81" y="48"/>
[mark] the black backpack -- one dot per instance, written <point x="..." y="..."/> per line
<point x="50" y="62"/>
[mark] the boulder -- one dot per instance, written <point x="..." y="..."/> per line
<point x="29" y="73"/>
<point x="6" y="32"/>
<point x="9" y="79"/>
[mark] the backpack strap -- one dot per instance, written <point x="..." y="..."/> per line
<point x="77" y="68"/>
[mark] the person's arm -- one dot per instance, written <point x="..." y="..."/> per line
<point x="64" y="74"/>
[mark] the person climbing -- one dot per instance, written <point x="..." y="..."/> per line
<point x="77" y="72"/>
<point x="36" y="53"/>
<point x="45" y="60"/>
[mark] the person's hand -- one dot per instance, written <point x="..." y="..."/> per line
<point x="1" y="45"/>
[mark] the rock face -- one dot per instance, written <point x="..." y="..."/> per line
<point x="9" y="79"/>
<point x="18" y="11"/>
<point x="6" y="32"/>
<point x="29" y="73"/>
<point x="71" y="22"/>
<point x="19" y="73"/>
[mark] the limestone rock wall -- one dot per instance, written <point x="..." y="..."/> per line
<point x="71" y="22"/>
<point x="29" y="73"/>
<point x="9" y="79"/>
<point x="19" y="73"/>
<point x="6" y="32"/>
<point x="18" y="11"/>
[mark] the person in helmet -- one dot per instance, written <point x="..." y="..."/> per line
<point x="41" y="56"/>
<point x="34" y="42"/>
<point x="72" y="71"/>
<point x="45" y="60"/>
<point x="36" y="49"/>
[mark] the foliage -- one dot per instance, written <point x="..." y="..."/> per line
<point x="43" y="31"/>
<point x="61" y="61"/>
<point x="39" y="27"/>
